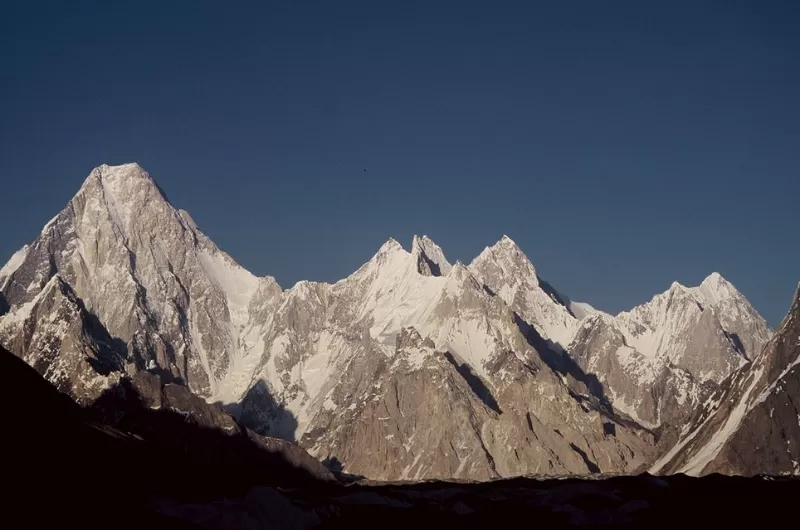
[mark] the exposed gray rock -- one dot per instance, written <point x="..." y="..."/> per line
<point x="660" y="361"/>
<point x="151" y="278"/>
<point x="751" y="425"/>
<point x="409" y="368"/>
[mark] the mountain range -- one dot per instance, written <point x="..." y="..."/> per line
<point x="410" y="368"/>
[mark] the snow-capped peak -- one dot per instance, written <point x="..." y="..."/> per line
<point x="120" y="177"/>
<point x="123" y="191"/>
<point x="505" y="240"/>
<point x="429" y="257"/>
<point x="715" y="288"/>
<point x="391" y="245"/>
<point x="508" y="259"/>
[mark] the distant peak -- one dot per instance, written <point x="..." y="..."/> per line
<point x="506" y="245"/>
<point x="458" y="271"/>
<point x="386" y="252"/>
<point x="391" y="245"/>
<point x="677" y="286"/>
<point x="128" y="166"/>
<point x="716" y="288"/>
<point x="122" y="179"/>
<point x="506" y="255"/>
<point x="430" y="259"/>
<point x="715" y="279"/>
<point x="126" y="190"/>
<point x="121" y="173"/>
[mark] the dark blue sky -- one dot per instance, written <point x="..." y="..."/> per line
<point x="623" y="145"/>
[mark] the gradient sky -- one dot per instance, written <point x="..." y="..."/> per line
<point x="623" y="145"/>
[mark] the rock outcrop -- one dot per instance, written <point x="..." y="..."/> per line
<point x="409" y="368"/>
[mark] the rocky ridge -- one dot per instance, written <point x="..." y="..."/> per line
<point x="409" y="368"/>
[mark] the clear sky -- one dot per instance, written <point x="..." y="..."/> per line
<point x="623" y="145"/>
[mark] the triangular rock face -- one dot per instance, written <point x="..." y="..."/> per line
<point x="752" y="423"/>
<point x="154" y="282"/>
<point x="55" y="334"/>
<point x="429" y="257"/>
<point x="359" y="382"/>
<point x="660" y="361"/>
<point x="408" y="368"/>
<point x="506" y="272"/>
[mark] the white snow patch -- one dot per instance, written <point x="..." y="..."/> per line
<point x="581" y="310"/>
<point x="622" y="405"/>
<point x="238" y="284"/>
<point x="13" y="264"/>
<point x="472" y="341"/>
<point x="315" y="370"/>
<point x="775" y="384"/>
<point x="20" y="314"/>
<point x="711" y="449"/>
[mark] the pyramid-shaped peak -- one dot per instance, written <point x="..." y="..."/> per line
<point x="507" y="246"/>
<point x="130" y="172"/>
<point x="676" y="286"/>
<point x="506" y="255"/>
<point x="391" y="245"/>
<point x="422" y="241"/>
<point x="430" y="259"/>
<point x="506" y="241"/>
<point x="124" y="182"/>
<point x="126" y="191"/>
<point x="715" y="280"/>
<point x="121" y="168"/>
<point x="716" y="288"/>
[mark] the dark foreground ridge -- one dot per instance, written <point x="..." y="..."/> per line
<point x="150" y="455"/>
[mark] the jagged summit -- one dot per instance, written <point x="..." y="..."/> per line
<point x="715" y="288"/>
<point x="391" y="245"/>
<point x="506" y="240"/>
<point x="489" y="383"/>
<point x="120" y="178"/>
<point x="676" y="286"/>
<point x="506" y="258"/>
<point x="429" y="257"/>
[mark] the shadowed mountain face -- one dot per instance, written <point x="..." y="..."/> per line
<point x="173" y="461"/>
<point x="142" y="440"/>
